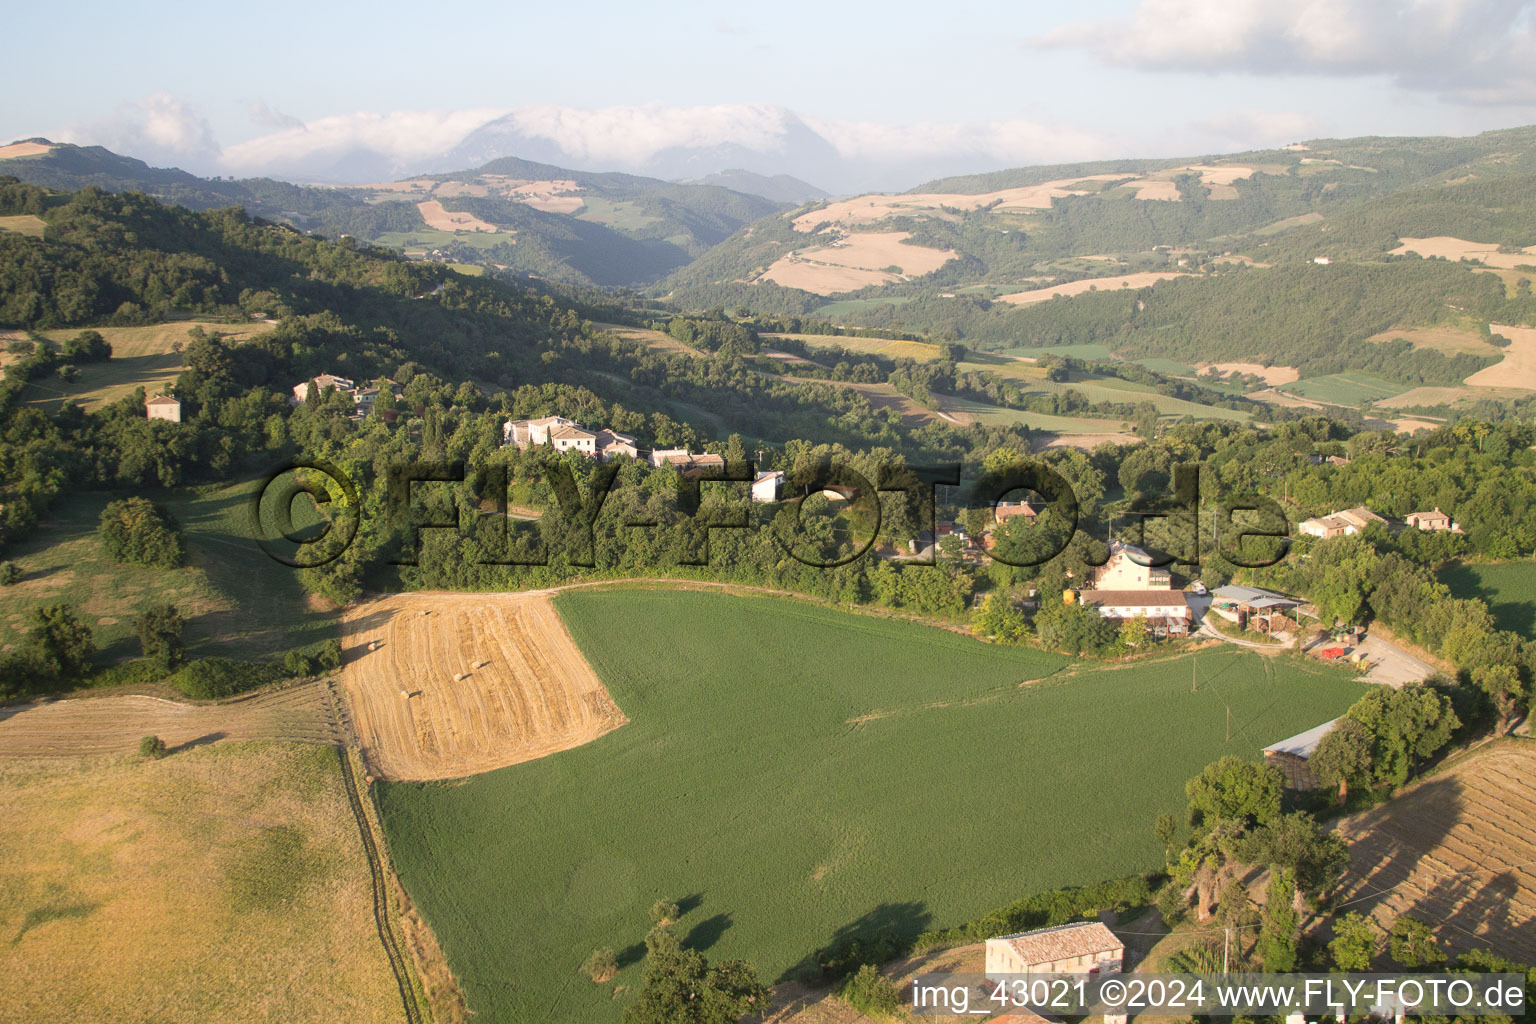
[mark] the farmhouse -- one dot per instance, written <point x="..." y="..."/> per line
<point x="1167" y="611"/>
<point x="163" y="407"/>
<point x="1340" y="524"/>
<point x="325" y="380"/>
<point x="1130" y="568"/>
<point x="1434" y="521"/>
<point x="662" y="456"/>
<point x="611" y="444"/>
<point x="1004" y="511"/>
<point x="1087" y="947"/>
<point x="1293" y="756"/>
<point x="767" y="486"/>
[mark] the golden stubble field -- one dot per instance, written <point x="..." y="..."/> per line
<point x="447" y="685"/>
<point x="224" y="883"/>
<point x="1457" y="851"/>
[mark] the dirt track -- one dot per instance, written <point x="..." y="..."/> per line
<point x="466" y="683"/>
<point x="1457" y="851"/>
<point x="114" y="725"/>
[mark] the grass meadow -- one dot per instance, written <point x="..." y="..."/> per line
<point x="239" y="603"/>
<point x="891" y="348"/>
<point x="792" y="773"/>
<point x="221" y="883"/>
<point x="1509" y="588"/>
<point x="141" y="357"/>
<point x="1347" y="388"/>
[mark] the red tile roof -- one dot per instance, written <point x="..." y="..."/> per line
<point x="1047" y="945"/>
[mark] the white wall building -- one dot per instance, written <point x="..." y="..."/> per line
<point x="163" y="407"/>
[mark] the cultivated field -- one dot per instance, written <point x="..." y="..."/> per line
<point x="445" y="220"/>
<point x="1102" y="284"/>
<point x="1348" y="388"/>
<point x="891" y="348"/>
<point x="1458" y="851"/>
<point x="869" y="209"/>
<point x="141" y="357"/>
<point x="903" y="776"/>
<point x="447" y="685"/>
<point x="1271" y="375"/>
<point x="1509" y="588"/>
<point x="1518" y="367"/>
<point x="658" y="340"/>
<point x="858" y="260"/>
<point x="1448" y="338"/>
<point x="24" y="224"/>
<point x="16" y="149"/>
<point x="1453" y="249"/>
<point x="223" y="883"/>
<point x="114" y="725"/>
<point x="239" y="603"/>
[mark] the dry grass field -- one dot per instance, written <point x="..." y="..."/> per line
<point x="857" y="261"/>
<point x="24" y="224"/>
<point x="869" y="209"/>
<point x="16" y="149"/>
<point x="113" y="725"/>
<point x="436" y="217"/>
<point x="1451" y="339"/>
<point x="1518" y="367"/>
<point x="141" y="357"/>
<point x="225" y="883"/>
<point x="459" y="684"/>
<point x="1454" y="249"/>
<point x="1139" y="280"/>
<point x="658" y="340"/>
<point x="1447" y="395"/>
<point x="1458" y="850"/>
<point x="891" y="348"/>
<point x="1272" y="375"/>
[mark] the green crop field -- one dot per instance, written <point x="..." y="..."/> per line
<point x="239" y="603"/>
<point x="1509" y="588"/>
<point x="1091" y="352"/>
<point x="1347" y="388"/>
<point x="789" y="772"/>
<point x="994" y="415"/>
<point x="1171" y="367"/>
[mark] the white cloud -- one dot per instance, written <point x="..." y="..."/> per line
<point x="1255" y="129"/>
<point x="1467" y="51"/>
<point x="159" y="127"/>
<point x="400" y="138"/>
<point x="632" y="135"/>
<point x="1017" y="141"/>
<point x="268" y="116"/>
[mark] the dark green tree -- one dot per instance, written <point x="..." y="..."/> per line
<point x="1277" y="937"/>
<point x="159" y="628"/>
<point x="1232" y="788"/>
<point x="681" y="988"/>
<point x="138" y="532"/>
<point x="63" y="643"/>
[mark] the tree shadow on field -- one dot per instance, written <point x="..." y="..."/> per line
<point x="630" y="955"/>
<point x="53" y="912"/>
<point x="707" y="932"/>
<point x="201" y="741"/>
<point x="878" y="934"/>
<point x="688" y="904"/>
<point x="365" y="629"/>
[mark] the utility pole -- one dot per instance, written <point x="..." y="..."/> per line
<point x="1226" y="938"/>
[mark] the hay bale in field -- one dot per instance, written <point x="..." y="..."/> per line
<point x="460" y="676"/>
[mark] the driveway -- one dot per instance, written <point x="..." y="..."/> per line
<point x="1390" y="665"/>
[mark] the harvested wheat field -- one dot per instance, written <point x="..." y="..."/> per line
<point x="868" y="209"/>
<point x="1102" y="284"/>
<point x="224" y="883"/>
<point x="16" y="149"/>
<point x="1457" y="850"/>
<point x="1448" y="338"/>
<point x="1271" y="375"/>
<point x="1455" y="249"/>
<point x="114" y="725"/>
<point x="1518" y="367"/>
<point x="447" y="685"/>
<point x="859" y="260"/>
<point x="443" y="220"/>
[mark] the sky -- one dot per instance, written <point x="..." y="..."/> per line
<point x="284" y="88"/>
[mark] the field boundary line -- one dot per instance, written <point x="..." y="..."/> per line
<point x="397" y="963"/>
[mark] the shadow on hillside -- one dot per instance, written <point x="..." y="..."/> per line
<point x="895" y="924"/>
<point x="707" y="932"/>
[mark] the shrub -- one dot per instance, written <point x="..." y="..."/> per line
<point x="159" y="628"/>
<point x="152" y="747"/>
<point x="60" y="642"/>
<point x="210" y="678"/>
<point x="138" y="532"/>
<point x="871" y="993"/>
<point x="664" y="912"/>
<point x="601" y="966"/>
<point x="1053" y="907"/>
<point x="10" y="572"/>
<point x="324" y="656"/>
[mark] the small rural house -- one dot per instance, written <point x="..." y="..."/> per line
<point x="325" y="380"/>
<point x="1433" y="521"/>
<point x="163" y="407"/>
<point x="767" y="487"/>
<point x="1340" y="524"/>
<point x="1006" y="510"/>
<point x="1293" y="755"/>
<point x="572" y="438"/>
<point x="662" y="456"/>
<point x="527" y="433"/>
<point x="611" y="444"/>
<point x="1085" y="947"/>
<point x="1167" y="611"/>
<point x="1130" y="568"/>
